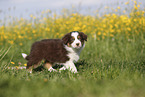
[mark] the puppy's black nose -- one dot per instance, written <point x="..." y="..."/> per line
<point x="77" y="44"/>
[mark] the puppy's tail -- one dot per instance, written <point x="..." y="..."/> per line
<point x="24" y="55"/>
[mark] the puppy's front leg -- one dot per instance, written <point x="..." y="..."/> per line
<point x="62" y="68"/>
<point x="71" y="66"/>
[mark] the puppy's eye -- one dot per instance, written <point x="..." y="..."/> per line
<point x="72" y="38"/>
<point x="79" y="38"/>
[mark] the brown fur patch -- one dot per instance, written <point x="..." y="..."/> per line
<point x="51" y="50"/>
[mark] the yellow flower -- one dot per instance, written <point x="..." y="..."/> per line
<point x="135" y="2"/>
<point x="5" y="37"/>
<point x="116" y="10"/>
<point x="25" y="64"/>
<point x="11" y="42"/>
<point x="76" y="28"/>
<point x="57" y="33"/>
<point x="20" y="44"/>
<point x="44" y="18"/>
<point x="126" y="3"/>
<point x="12" y="63"/>
<point x="17" y="67"/>
<point x="20" y="36"/>
<point x="104" y="26"/>
<point x="124" y="11"/>
<point x="128" y="28"/>
<point x="42" y="12"/>
<point x="33" y="31"/>
<point x="135" y="7"/>
<point x="118" y="7"/>
<point x="47" y="29"/>
<point x="104" y="34"/>
<point x="134" y="20"/>
<point x="34" y="17"/>
<point x="48" y="11"/>
<point x="31" y="15"/>
<point x="112" y="30"/>
<point x="99" y="33"/>
<point x="111" y="35"/>
<point x="106" y="7"/>
<point x="84" y="26"/>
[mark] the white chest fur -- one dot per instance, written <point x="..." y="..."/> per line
<point x="73" y="54"/>
<point x="74" y="57"/>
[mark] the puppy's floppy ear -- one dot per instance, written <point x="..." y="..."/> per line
<point x="84" y="36"/>
<point x="66" y="38"/>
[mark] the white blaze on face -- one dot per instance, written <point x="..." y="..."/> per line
<point x="76" y="43"/>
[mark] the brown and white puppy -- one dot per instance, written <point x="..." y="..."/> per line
<point x="63" y="51"/>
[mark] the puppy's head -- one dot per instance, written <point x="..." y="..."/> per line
<point x="75" y="39"/>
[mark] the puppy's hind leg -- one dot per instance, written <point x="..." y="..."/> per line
<point x="31" y="66"/>
<point x="36" y="65"/>
<point x="29" y="69"/>
<point x="48" y="66"/>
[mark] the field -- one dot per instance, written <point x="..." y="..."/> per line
<point x="112" y="64"/>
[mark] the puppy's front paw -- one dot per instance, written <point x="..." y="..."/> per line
<point x="74" y="70"/>
<point x="52" y="70"/>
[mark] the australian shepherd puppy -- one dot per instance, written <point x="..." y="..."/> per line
<point x="63" y="51"/>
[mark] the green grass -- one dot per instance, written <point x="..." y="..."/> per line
<point x="107" y="68"/>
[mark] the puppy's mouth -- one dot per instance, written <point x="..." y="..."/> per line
<point x="77" y="47"/>
<point x="74" y="46"/>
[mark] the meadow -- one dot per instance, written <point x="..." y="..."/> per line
<point x="112" y="64"/>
